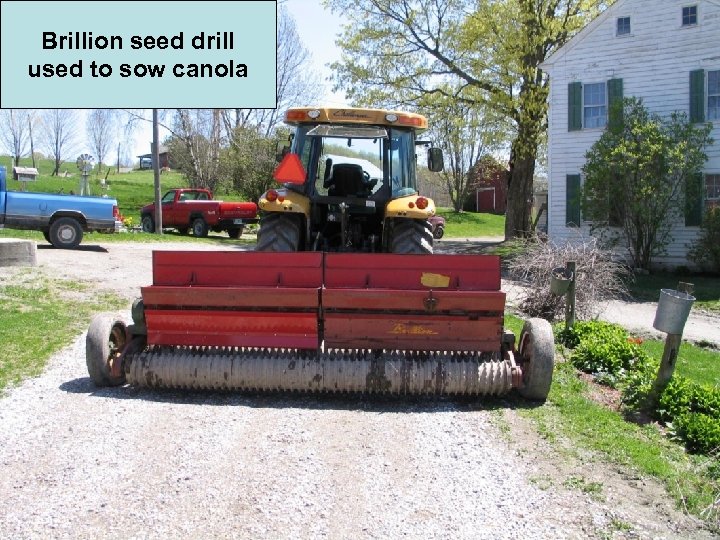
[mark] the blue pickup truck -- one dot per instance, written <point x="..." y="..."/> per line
<point x="61" y="218"/>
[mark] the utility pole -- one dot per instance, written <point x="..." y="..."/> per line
<point x="156" y="171"/>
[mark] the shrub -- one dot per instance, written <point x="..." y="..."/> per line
<point x="705" y="251"/>
<point x="700" y="432"/>
<point x="598" y="277"/>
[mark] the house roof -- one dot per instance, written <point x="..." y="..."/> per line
<point x="588" y="29"/>
<point x="577" y="38"/>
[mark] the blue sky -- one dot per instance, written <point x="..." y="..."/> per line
<point x="318" y="29"/>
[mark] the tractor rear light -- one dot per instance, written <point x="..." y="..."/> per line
<point x="313" y="114"/>
<point x="271" y="195"/>
<point x="116" y="213"/>
<point x="411" y="204"/>
<point x="422" y="203"/>
<point x="294" y="115"/>
<point x="391" y="117"/>
<point x="281" y="199"/>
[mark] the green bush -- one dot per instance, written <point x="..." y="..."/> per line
<point x="700" y="432"/>
<point x="691" y="410"/>
<point x="603" y="349"/>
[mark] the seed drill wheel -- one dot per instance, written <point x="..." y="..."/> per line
<point x="537" y="350"/>
<point x="106" y="339"/>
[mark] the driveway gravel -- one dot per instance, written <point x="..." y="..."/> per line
<point x="82" y="462"/>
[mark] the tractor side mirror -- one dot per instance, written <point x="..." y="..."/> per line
<point x="435" y="159"/>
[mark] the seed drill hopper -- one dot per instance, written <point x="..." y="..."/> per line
<point x="322" y="322"/>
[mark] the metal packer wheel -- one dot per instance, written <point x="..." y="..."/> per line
<point x="65" y="233"/>
<point x="537" y="350"/>
<point x="105" y="341"/>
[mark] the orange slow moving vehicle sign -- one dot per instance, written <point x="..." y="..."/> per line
<point x="290" y="170"/>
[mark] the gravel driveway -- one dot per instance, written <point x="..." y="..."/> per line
<point x="81" y="462"/>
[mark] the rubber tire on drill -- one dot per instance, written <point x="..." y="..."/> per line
<point x="65" y="233"/>
<point x="537" y="350"/>
<point x="199" y="228"/>
<point x="412" y="236"/>
<point x="439" y="232"/>
<point x="148" y="224"/>
<point x="106" y="337"/>
<point x="278" y="232"/>
<point x="235" y="232"/>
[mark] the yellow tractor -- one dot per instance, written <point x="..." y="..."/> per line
<point x="350" y="185"/>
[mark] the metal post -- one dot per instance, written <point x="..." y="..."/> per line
<point x="669" y="358"/>
<point x="156" y="170"/>
<point x="570" y="296"/>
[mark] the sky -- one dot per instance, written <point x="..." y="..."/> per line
<point x="318" y="28"/>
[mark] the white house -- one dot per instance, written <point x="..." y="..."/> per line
<point x="666" y="52"/>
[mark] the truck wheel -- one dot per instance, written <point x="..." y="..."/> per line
<point x="439" y="232"/>
<point x="65" y="233"/>
<point x="235" y="232"/>
<point x="537" y="352"/>
<point x="106" y="338"/>
<point x="199" y="228"/>
<point x="412" y="236"/>
<point x="148" y="224"/>
<point x="278" y="232"/>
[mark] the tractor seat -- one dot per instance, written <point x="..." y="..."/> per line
<point x="348" y="180"/>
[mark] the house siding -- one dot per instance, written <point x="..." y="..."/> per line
<point x="654" y="63"/>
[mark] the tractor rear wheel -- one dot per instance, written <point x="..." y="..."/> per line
<point x="537" y="351"/>
<point x="106" y="339"/>
<point x="412" y="236"/>
<point x="278" y="232"/>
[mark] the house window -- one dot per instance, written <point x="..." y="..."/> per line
<point x="689" y="15"/>
<point x="713" y="95"/>
<point x="712" y="191"/>
<point x="594" y="105"/>
<point x="623" y="26"/>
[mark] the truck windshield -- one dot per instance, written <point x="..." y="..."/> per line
<point x="386" y="156"/>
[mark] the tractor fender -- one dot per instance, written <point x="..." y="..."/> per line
<point x="291" y="202"/>
<point x="406" y="207"/>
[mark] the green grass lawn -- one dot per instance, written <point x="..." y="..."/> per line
<point x="707" y="288"/>
<point x="469" y="224"/>
<point x="696" y="363"/>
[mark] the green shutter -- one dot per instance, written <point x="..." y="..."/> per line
<point x="574" y="106"/>
<point x="697" y="95"/>
<point x="694" y="200"/>
<point x="615" y="111"/>
<point x="572" y="200"/>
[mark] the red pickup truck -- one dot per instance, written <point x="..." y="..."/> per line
<point x="185" y="209"/>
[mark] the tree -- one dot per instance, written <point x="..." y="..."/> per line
<point x="100" y="126"/>
<point x="59" y="134"/>
<point x="195" y="146"/>
<point x="250" y="163"/>
<point x="397" y="51"/>
<point x="464" y="132"/>
<point x="639" y="175"/>
<point x="14" y="132"/>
